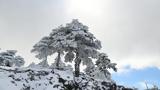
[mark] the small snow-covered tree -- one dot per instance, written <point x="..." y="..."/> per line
<point x="9" y="59"/>
<point x="103" y="63"/>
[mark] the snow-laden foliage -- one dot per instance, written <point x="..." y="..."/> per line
<point x="9" y="58"/>
<point x="42" y="49"/>
<point x="18" y="61"/>
<point x="103" y="63"/>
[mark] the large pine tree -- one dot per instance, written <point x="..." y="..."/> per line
<point x="76" y="41"/>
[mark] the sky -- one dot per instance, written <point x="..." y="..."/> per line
<point x="128" y="29"/>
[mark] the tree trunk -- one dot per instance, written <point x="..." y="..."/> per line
<point x="44" y="62"/>
<point x="77" y="65"/>
<point x="58" y="60"/>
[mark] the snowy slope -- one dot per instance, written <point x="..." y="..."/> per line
<point x="47" y="79"/>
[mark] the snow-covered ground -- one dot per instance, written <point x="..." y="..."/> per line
<point x="45" y="79"/>
<point x="33" y="79"/>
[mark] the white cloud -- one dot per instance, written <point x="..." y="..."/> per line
<point x="129" y="30"/>
<point x="139" y="62"/>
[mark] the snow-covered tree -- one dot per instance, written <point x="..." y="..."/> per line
<point x="43" y="50"/>
<point x="103" y="63"/>
<point x="81" y="45"/>
<point x="9" y="59"/>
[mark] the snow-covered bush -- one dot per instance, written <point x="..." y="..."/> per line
<point x="103" y="62"/>
<point x="19" y="61"/>
<point x="9" y="58"/>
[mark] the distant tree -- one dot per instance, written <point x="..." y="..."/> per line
<point x="10" y="59"/>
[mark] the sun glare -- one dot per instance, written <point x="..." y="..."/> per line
<point x="85" y="7"/>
